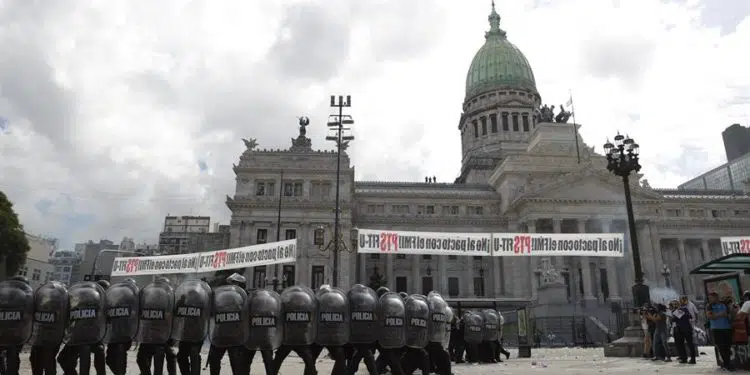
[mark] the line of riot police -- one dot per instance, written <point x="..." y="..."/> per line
<point x="408" y="331"/>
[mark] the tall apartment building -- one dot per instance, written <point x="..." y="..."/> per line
<point x="63" y="262"/>
<point x="192" y="234"/>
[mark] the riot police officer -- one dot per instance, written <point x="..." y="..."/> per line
<point x="122" y="323"/>
<point x="17" y="301"/>
<point x="418" y="325"/>
<point x="299" y="309"/>
<point x="440" y="332"/>
<point x="363" y="331"/>
<point x="154" y="329"/>
<point x="190" y="323"/>
<point x="87" y="325"/>
<point x="231" y="329"/>
<point x="332" y="327"/>
<point x="50" y="315"/>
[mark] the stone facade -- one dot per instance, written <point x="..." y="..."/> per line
<point x="518" y="175"/>
<point x="543" y="190"/>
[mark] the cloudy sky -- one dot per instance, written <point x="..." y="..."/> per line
<point x="117" y="113"/>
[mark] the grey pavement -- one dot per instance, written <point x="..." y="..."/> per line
<point x="544" y="361"/>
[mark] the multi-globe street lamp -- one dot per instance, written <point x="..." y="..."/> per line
<point x="622" y="160"/>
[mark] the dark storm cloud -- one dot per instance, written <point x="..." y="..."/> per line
<point x="623" y="58"/>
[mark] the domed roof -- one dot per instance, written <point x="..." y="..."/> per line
<point x="498" y="64"/>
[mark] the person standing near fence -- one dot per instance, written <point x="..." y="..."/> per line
<point x="718" y="314"/>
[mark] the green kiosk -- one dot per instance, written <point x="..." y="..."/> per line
<point x="725" y="276"/>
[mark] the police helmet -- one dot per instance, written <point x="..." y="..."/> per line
<point x="20" y="278"/>
<point x="103" y="283"/>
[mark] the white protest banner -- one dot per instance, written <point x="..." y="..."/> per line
<point x="491" y="244"/>
<point x="559" y="244"/>
<point x="241" y="257"/>
<point x="735" y="245"/>
<point x="249" y="256"/>
<point x="423" y="243"/>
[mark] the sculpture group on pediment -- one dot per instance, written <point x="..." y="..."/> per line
<point x="547" y="114"/>
<point x="251" y="143"/>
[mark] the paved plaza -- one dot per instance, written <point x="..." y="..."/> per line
<point x="543" y="361"/>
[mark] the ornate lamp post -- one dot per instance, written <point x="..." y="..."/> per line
<point x="666" y="272"/>
<point x="319" y="240"/>
<point x="622" y="160"/>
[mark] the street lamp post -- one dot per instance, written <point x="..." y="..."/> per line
<point x="622" y="160"/>
<point x="336" y="123"/>
<point x="666" y="272"/>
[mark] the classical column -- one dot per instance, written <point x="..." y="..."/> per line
<point x="469" y="277"/>
<point x="588" y="296"/>
<point x="442" y="283"/>
<point x="390" y="272"/>
<point x="558" y="262"/>
<point x="362" y="259"/>
<point x="705" y="251"/>
<point x="612" y="285"/>
<point x="497" y="277"/>
<point x="684" y="266"/>
<point x="533" y="263"/>
<point x="415" y="260"/>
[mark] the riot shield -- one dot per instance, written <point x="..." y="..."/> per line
<point x="391" y="313"/>
<point x="16" y="312"/>
<point x="192" y="311"/>
<point x="363" y="305"/>
<point x="491" y="323"/>
<point x="418" y="321"/>
<point x="50" y="315"/>
<point x="439" y="316"/>
<point x="266" y="322"/>
<point x="86" y="314"/>
<point x="122" y="312"/>
<point x="155" y="317"/>
<point x="230" y="313"/>
<point x="300" y="308"/>
<point x="447" y="337"/>
<point x="473" y="328"/>
<point x="333" y="317"/>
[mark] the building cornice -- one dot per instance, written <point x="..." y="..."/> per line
<point x="443" y="221"/>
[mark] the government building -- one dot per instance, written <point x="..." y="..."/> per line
<point x="522" y="171"/>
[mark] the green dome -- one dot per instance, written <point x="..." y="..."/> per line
<point x="498" y="64"/>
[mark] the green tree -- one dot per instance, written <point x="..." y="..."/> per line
<point x="13" y="242"/>
<point x="377" y="280"/>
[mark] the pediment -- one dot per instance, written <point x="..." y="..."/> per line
<point x="590" y="186"/>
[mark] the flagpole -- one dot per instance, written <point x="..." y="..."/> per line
<point x="575" y="127"/>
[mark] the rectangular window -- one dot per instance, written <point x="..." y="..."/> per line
<point x="452" y="257"/>
<point x="427" y="286"/>
<point x="484" y="125"/>
<point x="317" y="276"/>
<point x="476" y="129"/>
<point x="525" y="122"/>
<point x="287" y="276"/>
<point x="36" y="275"/>
<point x="292" y="189"/>
<point x="493" y="123"/>
<point x="515" y="122"/>
<point x="290" y="234"/>
<point x="401" y="282"/>
<point x="374" y="256"/>
<point x="479" y="286"/>
<point x="450" y="210"/>
<point x="320" y="190"/>
<point x="375" y="208"/>
<point x="400" y="256"/>
<point x="505" y="122"/>
<point x="604" y="283"/>
<point x="265" y="188"/>
<point x="261" y="236"/>
<point x="259" y="277"/>
<point x="453" y="287"/>
<point x="400" y="209"/>
<point x="427" y="257"/>
<point x="475" y="210"/>
<point x="425" y="210"/>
